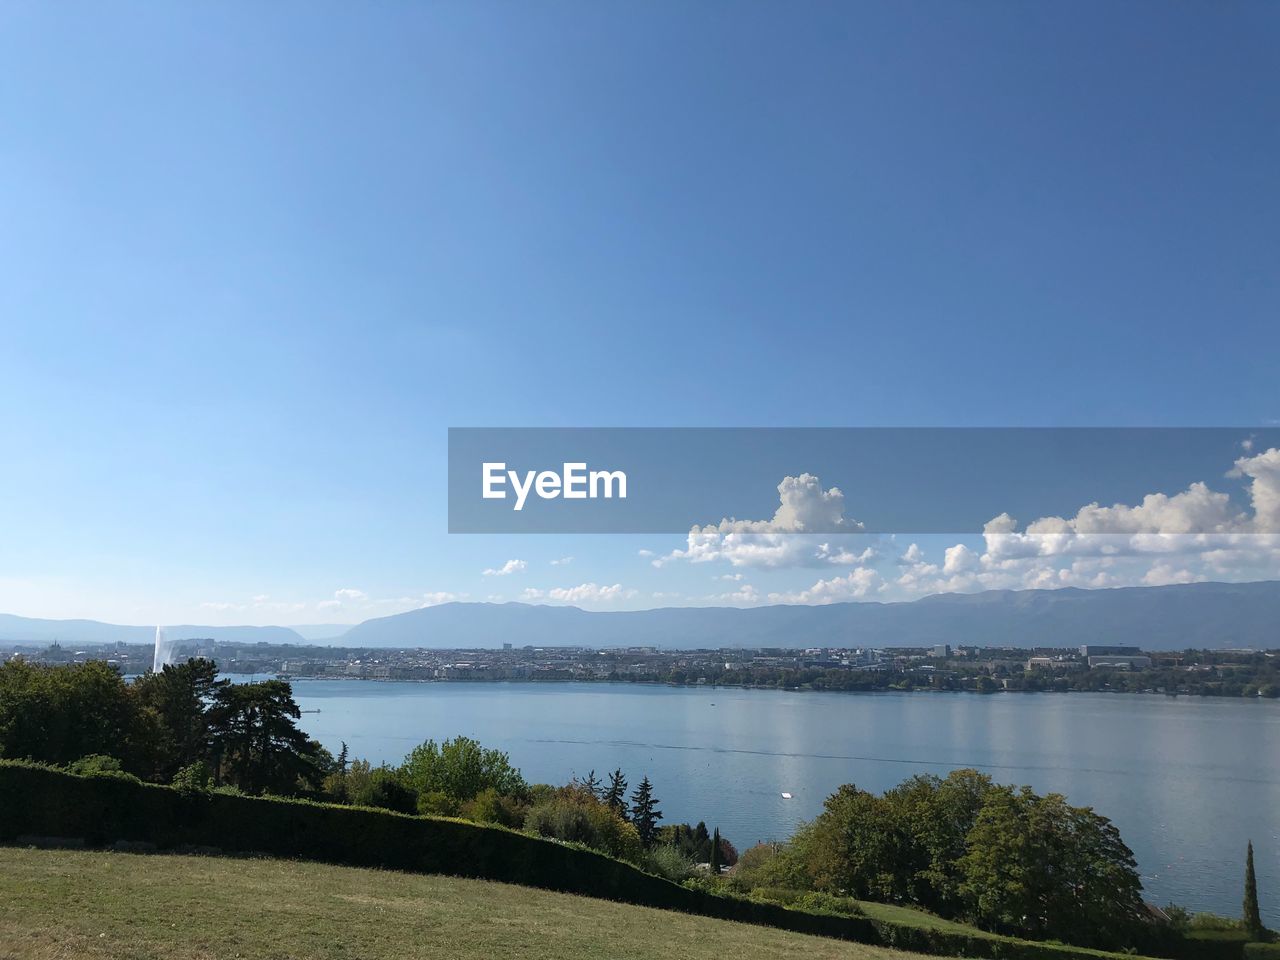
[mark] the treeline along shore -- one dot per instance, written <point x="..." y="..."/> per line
<point x="1087" y="668"/>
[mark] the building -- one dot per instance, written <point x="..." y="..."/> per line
<point x="942" y="650"/>
<point x="1120" y="662"/>
<point x="1094" y="650"/>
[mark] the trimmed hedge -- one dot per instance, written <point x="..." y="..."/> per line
<point x="40" y="801"/>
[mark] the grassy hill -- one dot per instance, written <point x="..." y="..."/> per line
<point x="58" y="904"/>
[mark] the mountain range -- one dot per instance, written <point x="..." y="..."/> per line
<point x="1209" y="615"/>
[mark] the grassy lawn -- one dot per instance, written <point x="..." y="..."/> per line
<point x="915" y="918"/>
<point x="72" y="904"/>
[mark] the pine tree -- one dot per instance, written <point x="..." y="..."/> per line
<point x="593" y="785"/>
<point x="615" y="795"/>
<point x="645" y="813"/>
<point x="716" y="859"/>
<point x="1252" y="917"/>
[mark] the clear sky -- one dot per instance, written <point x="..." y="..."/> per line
<point x="255" y="259"/>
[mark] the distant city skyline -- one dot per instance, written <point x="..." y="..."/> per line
<point x="250" y="277"/>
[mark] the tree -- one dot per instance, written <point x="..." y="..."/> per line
<point x="592" y="784"/>
<point x="1039" y="868"/>
<point x="935" y="816"/>
<point x="858" y="847"/>
<point x="460" y="769"/>
<point x="179" y="696"/>
<point x="57" y="714"/>
<point x="256" y="743"/>
<point x="715" y="853"/>
<point x="701" y="842"/>
<point x="645" y="813"/>
<point x="370" y="786"/>
<point x="1252" y="916"/>
<point x="615" y="795"/>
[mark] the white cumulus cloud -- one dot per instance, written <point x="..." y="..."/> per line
<point x="508" y="568"/>
<point x="582" y="593"/>
<point x="809" y="529"/>
<point x="1196" y="534"/>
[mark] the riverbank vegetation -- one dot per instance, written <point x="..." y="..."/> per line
<point x="1202" y="673"/>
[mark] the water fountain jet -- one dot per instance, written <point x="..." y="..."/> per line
<point x="164" y="650"/>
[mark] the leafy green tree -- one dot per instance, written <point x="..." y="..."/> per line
<point x="1039" y="868"/>
<point x="935" y="816"/>
<point x="460" y="768"/>
<point x="256" y="743"/>
<point x="775" y="865"/>
<point x="645" y="813"/>
<point x="1252" y="916"/>
<point x="615" y="795"/>
<point x="858" y="847"/>
<point x="364" y="785"/>
<point x="57" y="714"/>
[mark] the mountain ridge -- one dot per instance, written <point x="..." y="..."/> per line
<point x="1209" y="615"/>
<point x="1214" y="615"/>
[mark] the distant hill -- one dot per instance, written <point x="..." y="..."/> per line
<point x="1212" y="615"/>
<point x="320" y="632"/>
<point x="28" y="630"/>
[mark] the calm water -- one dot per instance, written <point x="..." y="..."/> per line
<point x="1187" y="781"/>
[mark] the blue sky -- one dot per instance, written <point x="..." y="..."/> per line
<point x="256" y="259"/>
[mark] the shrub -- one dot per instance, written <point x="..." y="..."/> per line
<point x="380" y="787"/>
<point x="813" y="901"/>
<point x="816" y="901"/>
<point x="574" y="815"/>
<point x="437" y="803"/>
<point x="99" y="765"/>
<point x="668" y="861"/>
<point x="489" y="806"/>
<point x="193" y="778"/>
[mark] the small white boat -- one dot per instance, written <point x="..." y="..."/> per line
<point x="786" y="796"/>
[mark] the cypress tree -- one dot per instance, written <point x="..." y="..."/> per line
<point x="716" y="859"/>
<point x="701" y="842"/>
<point x="1252" y="916"/>
<point x="645" y="813"/>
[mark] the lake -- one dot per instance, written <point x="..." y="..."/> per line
<point x="1188" y="781"/>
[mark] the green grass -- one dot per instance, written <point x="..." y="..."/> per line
<point x="58" y="904"/>
<point x="909" y="916"/>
